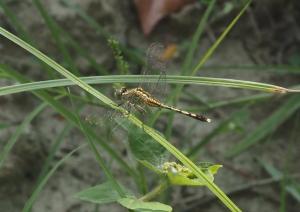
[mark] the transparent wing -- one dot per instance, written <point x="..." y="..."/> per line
<point x="155" y="65"/>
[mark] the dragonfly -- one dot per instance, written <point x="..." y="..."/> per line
<point x="139" y="97"/>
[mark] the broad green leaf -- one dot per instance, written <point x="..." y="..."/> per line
<point x="100" y="194"/>
<point x="139" y="205"/>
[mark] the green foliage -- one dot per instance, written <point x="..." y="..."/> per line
<point x="103" y="194"/>
<point x="147" y="145"/>
<point x="181" y="175"/>
<point x="292" y="187"/>
<point x="100" y="194"/>
<point x="267" y="126"/>
<point x="136" y="204"/>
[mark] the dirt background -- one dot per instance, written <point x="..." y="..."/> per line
<point x="267" y="34"/>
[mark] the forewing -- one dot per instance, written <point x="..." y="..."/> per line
<point x="155" y="65"/>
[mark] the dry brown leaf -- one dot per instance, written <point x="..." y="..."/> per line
<point x="152" y="11"/>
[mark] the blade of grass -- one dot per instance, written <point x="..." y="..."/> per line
<point x="219" y="129"/>
<point x="276" y="174"/>
<point x="134" y="56"/>
<point x="54" y="148"/>
<point x="187" y="64"/>
<point x="56" y="36"/>
<point x="23" y="34"/>
<point x="154" y="134"/>
<point x="100" y="159"/>
<point x="16" y="23"/>
<point x="57" y="31"/>
<point x="12" y="141"/>
<point x="267" y="126"/>
<point x="238" y="101"/>
<point x="81" y="51"/>
<point x="230" y="83"/>
<point x="175" y="95"/>
<point x="50" y="157"/>
<point x="278" y="69"/>
<point x="212" y="49"/>
<point x="41" y="185"/>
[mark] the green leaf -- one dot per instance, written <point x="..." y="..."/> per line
<point x="100" y="194"/>
<point x="180" y="175"/>
<point x="189" y="179"/>
<point x="139" y="205"/>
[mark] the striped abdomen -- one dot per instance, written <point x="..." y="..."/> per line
<point x="192" y="115"/>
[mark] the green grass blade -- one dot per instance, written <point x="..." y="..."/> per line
<point x="84" y="53"/>
<point x="16" y="24"/>
<point x="155" y="135"/>
<point x="223" y="126"/>
<point x="57" y="32"/>
<point x="276" y="174"/>
<point x="14" y="21"/>
<point x="12" y="141"/>
<point x="230" y="83"/>
<point x="21" y="31"/>
<point x="41" y="185"/>
<point x="101" y="161"/>
<point x="134" y="56"/>
<point x="237" y="101"/>
<point x="212" y="49"/>
<point x="267" y="126"/>
<point x="56" y="36"/>
<point x="278" y="69"/>
<point x="54" y="148"/>
<point x="187" y="64"/>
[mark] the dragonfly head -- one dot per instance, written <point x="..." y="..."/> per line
<point x="119" y="92"/>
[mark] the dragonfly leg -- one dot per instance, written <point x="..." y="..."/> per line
<point x="120" y="104"/>
<point x="139" y="108"/>
<point x="129" y="108"/>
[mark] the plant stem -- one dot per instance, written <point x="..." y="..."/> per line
<point x="155" y="192"/>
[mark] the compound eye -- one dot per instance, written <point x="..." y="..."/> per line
<point x="123" y="90"/>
